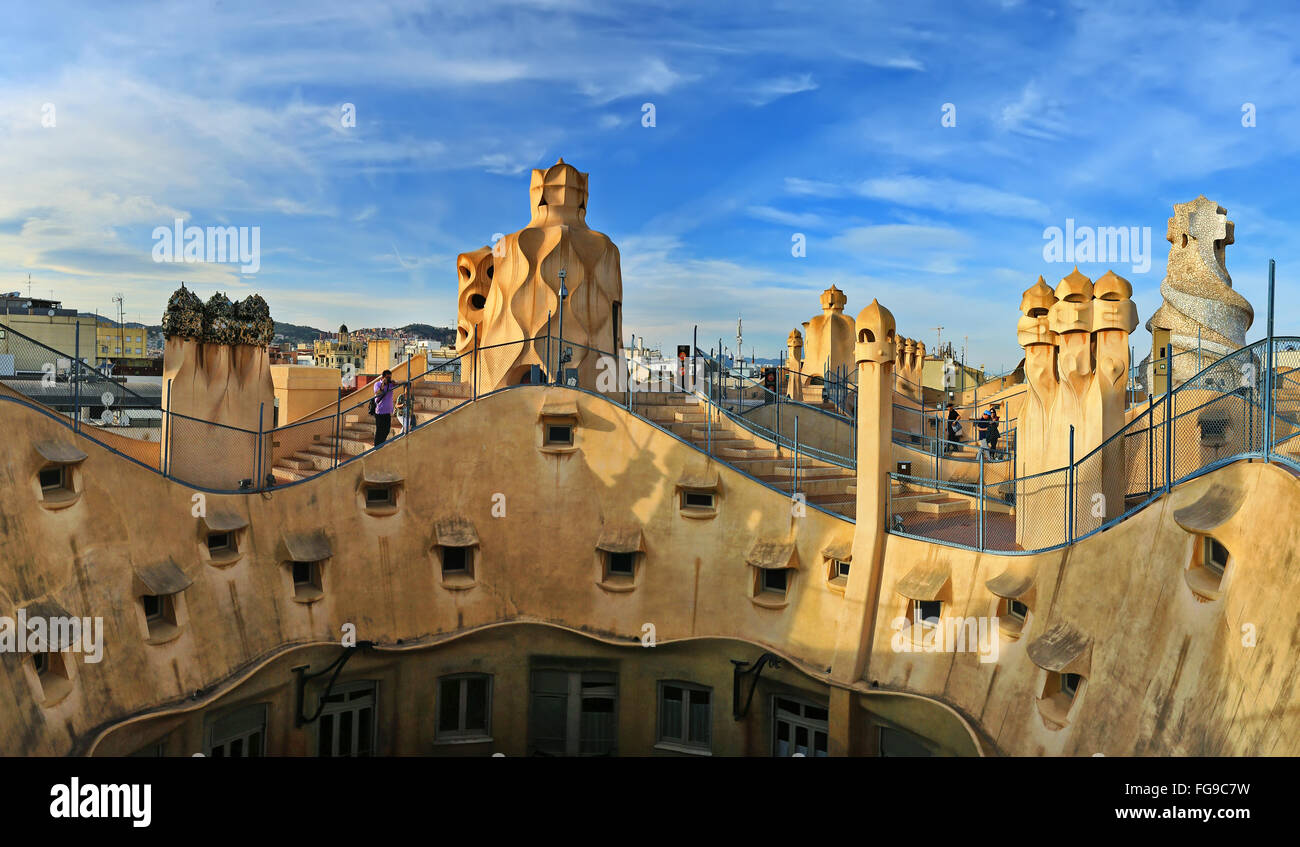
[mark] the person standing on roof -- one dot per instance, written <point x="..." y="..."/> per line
<point x="383" y="407"/>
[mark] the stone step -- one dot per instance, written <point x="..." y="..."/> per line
<point x="811" y="487"/>
<point x="943" y="505"/>
<point x="908" y="502"/>
<point x="286" y="475"/>
<point x="819" y="470"/>
<point x="832" y="500"/>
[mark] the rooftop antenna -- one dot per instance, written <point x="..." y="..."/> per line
<point x="29" y="286"/>
<point x="121" y="342"/>
<point x="938" y="352"/>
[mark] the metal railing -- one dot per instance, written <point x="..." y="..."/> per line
<point x="1236" y="408"/>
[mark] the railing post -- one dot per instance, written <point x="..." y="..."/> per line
<point x="1069" y="493"/>
<point x="548" y="353"/>
<point x="167" y="446"/>
<point x="1268" y="376"/>
<point x="76" y="377"/>
<point x="981" y="502"/>
<point x="338" y="425"/>
<point x="410" y="396"/>
<point x="257" y="462"/>
<point x="708" y="426"/>
<point x="1169" y="441"/>
<point x="1151" y="447"/>
<point x="796" y="454"/>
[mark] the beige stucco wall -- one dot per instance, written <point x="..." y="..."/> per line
<point x="1166" y="674"/>
<point x="301" y="389"/>
<point x="1169" y="673"/>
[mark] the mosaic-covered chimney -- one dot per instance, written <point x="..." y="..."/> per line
<point x="217" y="390"/>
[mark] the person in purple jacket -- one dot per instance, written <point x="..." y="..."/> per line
<point x="383" y="407"/>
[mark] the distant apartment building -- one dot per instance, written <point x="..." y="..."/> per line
<point x="120" y="342"/>
<point x="45" y="322"/>
<point x="341" y="352"/>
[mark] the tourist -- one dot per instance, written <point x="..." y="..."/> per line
<point x="383" y="407"/>
<point x="982" y="430"/>
<point x="954" y="430"/>
<point x="992" y="432"/>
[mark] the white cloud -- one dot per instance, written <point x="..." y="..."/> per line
<point x="774" y="89"/>
<point x="948" y="195"/>
<point x="1035" y="115"/>
<point x="807" y="220"/>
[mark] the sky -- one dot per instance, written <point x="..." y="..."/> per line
<point x="919" y="151"/>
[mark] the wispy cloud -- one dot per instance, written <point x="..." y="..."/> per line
<point x="773" y="89"/>
<point x="807" y="220"/>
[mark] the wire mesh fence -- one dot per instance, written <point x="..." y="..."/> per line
<point x="1235" y="408"/>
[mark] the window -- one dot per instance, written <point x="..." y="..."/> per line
<point x="457" y="561"/>
<point x="1214" y="555"/>
<point x="237" y="734"/>
<point x="897" y="743"/>
<point x="697" y="500"/>
<point x="564" y="700"/>
<point x="1058" y="696"/>
<point x="220" y="542"/>
<point x="307" y="583"/>
<point x="1209" y="561"/>
<point x="928" y="612"/>
<point x="685" y="715"/>
<point x="773" y="580"/>
<point x="53" y="478"/>
<point x="380" y="495"/>
<point x="799" y="728"/>
<point x="559" y="434"/>
<point x="464" y="707"/>
<point x="347" y="722"/>
<point x="53" y="677"/>
<point x="1012" y="616"/>
<point x="159" y="615"/>
<point x="620" y="564"/>
<point x="839" y="569"/>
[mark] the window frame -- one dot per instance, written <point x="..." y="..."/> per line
<point x="547" y="431"/>
<point x="61" y="485"/>
<point x="334" y="709"/>
<point x="468" y="564"/>
<point x="688" y="493"/>
<point x="312" y="588"/>
<point x="463" y="734"/>
<point x="210" y="745"/>
<point x="684" y="744"/>
<point x="611" y="571"/>
<point x="797" y="720"/>
<point x="765" y="588"/>
<point x="226" y="547"/>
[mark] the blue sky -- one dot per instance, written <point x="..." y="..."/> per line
<point x="770" y="119"/>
